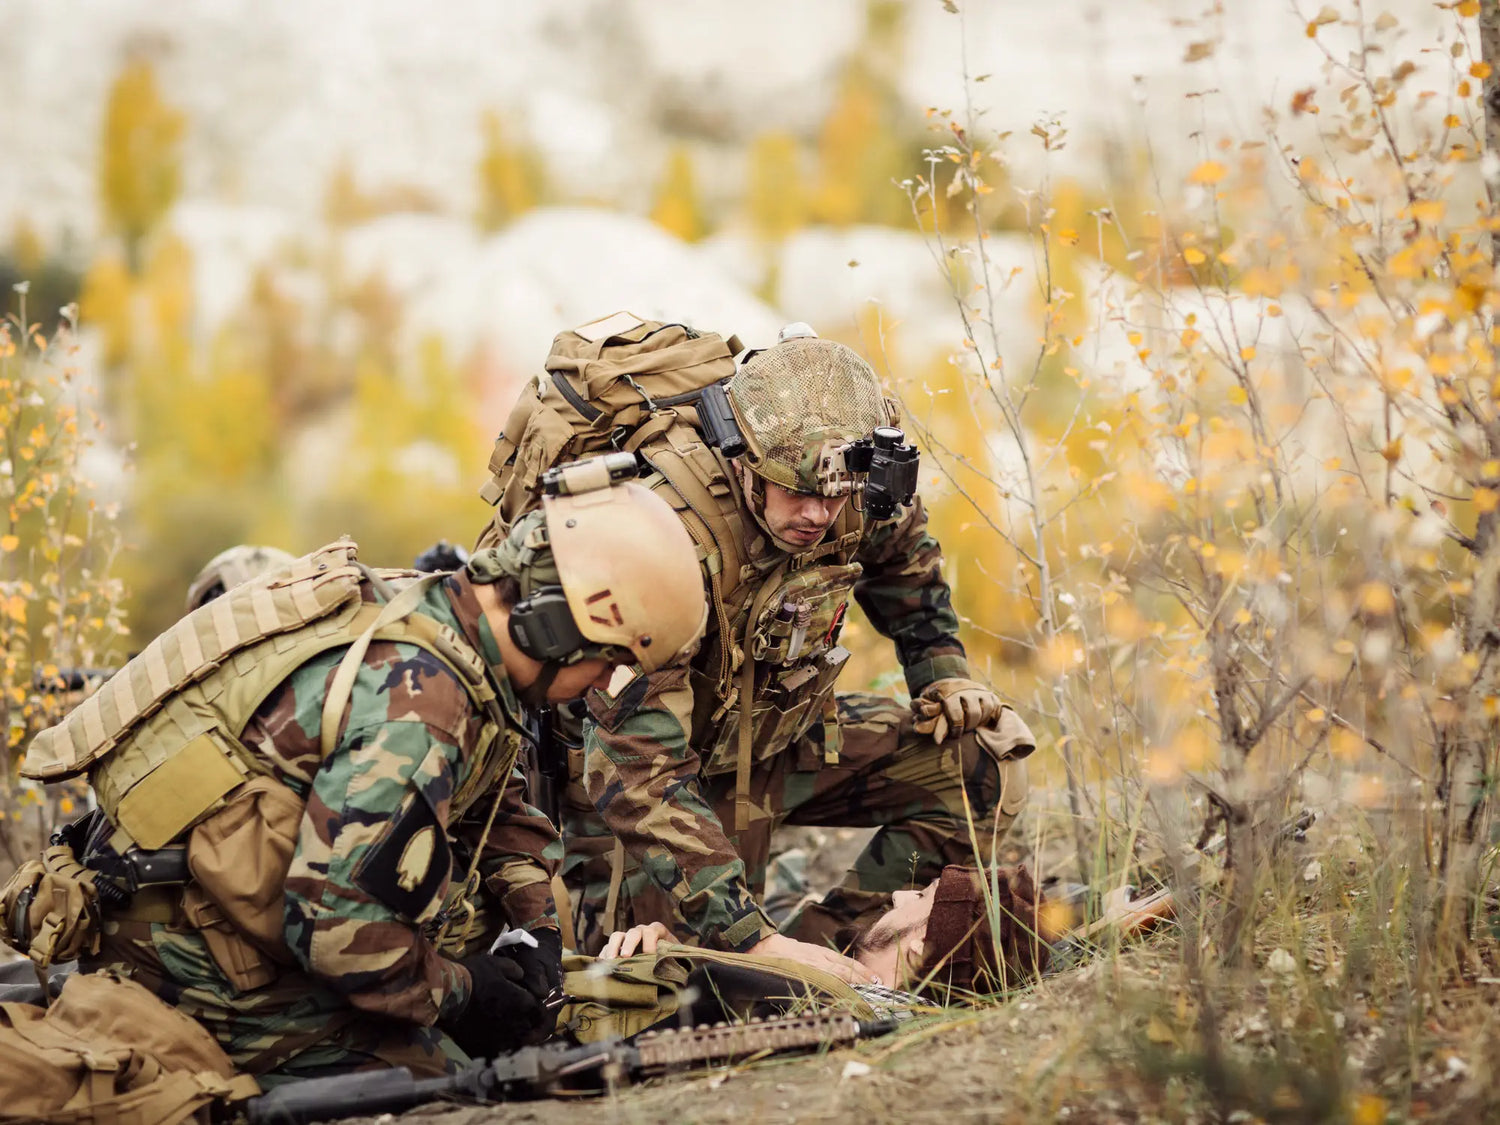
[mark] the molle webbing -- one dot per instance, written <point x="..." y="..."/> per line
<point x="311" y="589"/>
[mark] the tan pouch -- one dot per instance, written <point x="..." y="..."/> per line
<point x="50" y="908"/>
<point x="107" y="1050"/>
<point x="239" y="858"/>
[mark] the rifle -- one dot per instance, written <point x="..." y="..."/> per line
<point x="533" y="1072"/>
<point x="1132" y="910"/>
<point x="546" y="763"/>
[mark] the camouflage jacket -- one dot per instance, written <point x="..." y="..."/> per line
<point x="644" y="776"/>
<point x="405" y="746"/>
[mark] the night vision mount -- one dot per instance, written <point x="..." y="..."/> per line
<point x="889" y="465"/>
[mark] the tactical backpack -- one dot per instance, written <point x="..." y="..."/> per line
<point x="613" y="384"/>
<point x="107" y="1050"/>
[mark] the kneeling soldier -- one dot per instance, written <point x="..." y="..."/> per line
<point x="311" y="827"/>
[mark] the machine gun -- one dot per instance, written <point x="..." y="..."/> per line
<point x="533" y="1072"/>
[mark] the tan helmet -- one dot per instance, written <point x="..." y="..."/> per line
<point x="229" y="568"/>
<point x="630" y="571"/>
<point x="604" y="568"/>
<point x="800" y="402"/>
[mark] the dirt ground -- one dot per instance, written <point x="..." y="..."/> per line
<point x="984" y="1066"/>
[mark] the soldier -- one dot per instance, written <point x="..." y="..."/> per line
<point x="685" y="772"/>
<point x="968" y="932"/>
<point x="229" y="568"/>
<point x="311" y="828"/>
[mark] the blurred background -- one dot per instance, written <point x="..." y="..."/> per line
<point x="318" y="245"/>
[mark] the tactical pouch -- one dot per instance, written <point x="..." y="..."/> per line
<point x="239" y="858"/>
<point x="50" y="908"/>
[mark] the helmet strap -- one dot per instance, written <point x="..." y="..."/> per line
<point x="534" y="694"/>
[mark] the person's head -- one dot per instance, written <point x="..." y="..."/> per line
<point x="969" y="931"/>
<point x="229" y="568"/>
<point x="601" y="575"/>
<point x="799" y="404"/>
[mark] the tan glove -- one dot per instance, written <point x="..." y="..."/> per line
<point x="954" y="706"/>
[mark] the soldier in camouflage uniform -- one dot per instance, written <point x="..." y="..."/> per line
<point x="338" y="907"/>
<point x="691" y="768"/>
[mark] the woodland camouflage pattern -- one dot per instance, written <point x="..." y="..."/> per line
<point x="362" y="985"/>
<point x="644" y="773"/>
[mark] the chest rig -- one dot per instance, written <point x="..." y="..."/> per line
<point x="766" y="674"/>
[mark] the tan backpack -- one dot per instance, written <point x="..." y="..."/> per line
<point x="107" y="1050"/>
<point x="613" y="384"/>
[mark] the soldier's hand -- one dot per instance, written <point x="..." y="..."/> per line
<point x="953" y="706"/>
<point x="637" y="939"/>
<point x="501" y="1014"/>
<point x="817" y="956"/>
<point x="541" y="967"/>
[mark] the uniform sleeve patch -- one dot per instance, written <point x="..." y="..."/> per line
<point x="410" y="863"/>
<point x="609" y="711"/>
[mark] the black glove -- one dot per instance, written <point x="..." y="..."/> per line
<point x="542" y="966"/>
<point x="502" y="1014"/>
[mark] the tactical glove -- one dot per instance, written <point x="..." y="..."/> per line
<point x="501" y="1014"/>
<point x="541" y="967"/>
<point x="954" y="706"/>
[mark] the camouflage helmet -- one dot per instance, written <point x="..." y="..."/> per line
<point x="799" y="401"/>
<point x="623" y="563"/>
<point x="229" y="568"/>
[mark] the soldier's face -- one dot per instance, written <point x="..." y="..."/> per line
<point x="904" y="922"/>
<point x="796" y="517"/>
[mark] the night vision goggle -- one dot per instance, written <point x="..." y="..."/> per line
<point x="882" y="468"/>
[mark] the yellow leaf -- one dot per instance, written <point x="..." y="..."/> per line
<point x="9" y="542"/>
<point x="1193" y="256"/>
<point x="1247" y="353"/>
<point x="1242" y="617"/>
<point x="1392" y="452"/>
<point x="1238" y="395"/>
<point x="1479" y="69"/>
<point x="1368" y="1109"/>
<point x="1316" y="715"/>
<point x="1486" y="499"/>
<point x="1158" y="1031"/>
<point x="1376" y="598"/>
<point x="1428" y="211"/>
<point x="1209" y="172"/>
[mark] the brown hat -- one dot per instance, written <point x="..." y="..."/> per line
<point x="962" y="950"/>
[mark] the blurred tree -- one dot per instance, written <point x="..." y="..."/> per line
<point x="677" y="207"/>
<point x="776" y="197"/>
<point x="54" y="282"/>
<point x="346" y="203"/>
<point x="511" y="176"/>
<point x="139" y="169"/>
